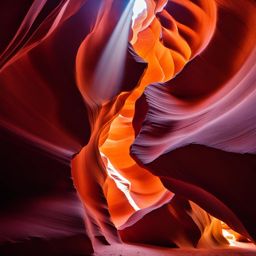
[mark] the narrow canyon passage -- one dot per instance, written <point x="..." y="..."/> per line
<point x="127" y="127"/>
<point x="166" y="44"/>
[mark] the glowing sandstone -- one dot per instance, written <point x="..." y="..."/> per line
<point x="157" y="120"/>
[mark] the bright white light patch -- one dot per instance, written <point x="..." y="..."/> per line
<point x="121" y="182"/>
<point x="138" y="8"/>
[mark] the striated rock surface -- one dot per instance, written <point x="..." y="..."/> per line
<point x="116" y="129"/>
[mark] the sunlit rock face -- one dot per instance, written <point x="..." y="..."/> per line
<point x="127" y="122"/>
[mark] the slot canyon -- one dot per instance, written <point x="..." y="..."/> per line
<point x="128" y="127"/>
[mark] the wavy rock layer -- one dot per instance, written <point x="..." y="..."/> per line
<point x="156" y="120"/>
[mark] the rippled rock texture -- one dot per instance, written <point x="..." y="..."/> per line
<point x="118" y="129"/>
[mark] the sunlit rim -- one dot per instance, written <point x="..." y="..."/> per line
<point x="138" y="8"/>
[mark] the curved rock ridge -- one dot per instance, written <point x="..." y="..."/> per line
<point x="144" y="131"/>
<point x="219" y="117"/>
